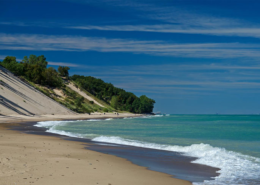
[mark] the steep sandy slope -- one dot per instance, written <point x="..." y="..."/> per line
<point x="72" y="86"/>
<point x="18" y="97"/>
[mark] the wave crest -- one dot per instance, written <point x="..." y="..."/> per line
<point x="235" y="168"/>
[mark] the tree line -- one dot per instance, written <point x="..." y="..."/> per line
<point x="35" y="70"/>
<point x="116" y="97"/>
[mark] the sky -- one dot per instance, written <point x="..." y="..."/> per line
<point x="190" y="56"/>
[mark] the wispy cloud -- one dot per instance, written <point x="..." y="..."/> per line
<point x="177" y="19"/>
<point x="216" y="30"/>
<point x="78" y="43"/>
<point x="167" y="28"/>
<point x="167" y="19"/>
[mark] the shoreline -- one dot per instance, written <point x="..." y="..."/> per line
<point x="23" y="119"/>
<point x="41" y="159"/>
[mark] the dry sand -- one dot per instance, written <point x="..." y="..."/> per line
<point x="46" y="160"/>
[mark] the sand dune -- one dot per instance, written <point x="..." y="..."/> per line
<point x="20" y="98"/>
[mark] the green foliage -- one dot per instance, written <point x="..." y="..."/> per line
<point x="33" y="73"/>
<point x="34" y="69"/>
<point x="78" y="102"/>
<point x="64" y="71"/>
<point x="10" y="63"/>
<point x="118" y="98"/>
<point x="25" y="60"/>
<point x="114" y="102"/>
<point x="70" y="93"/>
<point x="85" y="110"/>
<point x="51" y="77"/>
<point x="34" y="60"/>
<point x="105" y="110"/>
<point x="9" y="59"/>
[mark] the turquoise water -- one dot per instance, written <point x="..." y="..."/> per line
<point x="229" y="142"/>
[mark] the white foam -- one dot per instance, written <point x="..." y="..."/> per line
<point x="71" y="134"/>
<point x="52" y="128"/>
<point x="150" y="116"/>
<point x="94" y="120"/>
<point x="235" y="168"/>
<point x="145" y="116"/>
<point x="128" y="118"/>
<point x="158" y="115"/>
<point x="48" y="124"/>
<point x="100" y="119"/>
<point x="64" y="133"/>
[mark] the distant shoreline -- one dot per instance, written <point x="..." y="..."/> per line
<point x="21" y="118"/>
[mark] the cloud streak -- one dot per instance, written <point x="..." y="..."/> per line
<point x="167" y="28"/>
<point x="167" y="19"/>
<point x="177" y="19"/>
<point x="38" y="42"/>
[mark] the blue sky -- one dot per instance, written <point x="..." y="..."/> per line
<point x="191" y="56"/>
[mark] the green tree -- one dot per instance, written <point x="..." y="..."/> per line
<point x="9" y="59"/>
<point x="33" y="59"/>
<point x="147" y="104"/>
<point x="114" y="102"/>
<point x="41" y="60"/>
<point x="16" y="68"/>
<point x="51" y="77"/>
<point x="64" y="71"/>
<point x="136" y="105"/>
<point x="25" y="60"/>
<point x="10" y="63"/>
<point x="34" y="74"/>
<point x="131" y="99"/>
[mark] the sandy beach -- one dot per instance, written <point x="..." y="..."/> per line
<point x="34" y="159"/>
